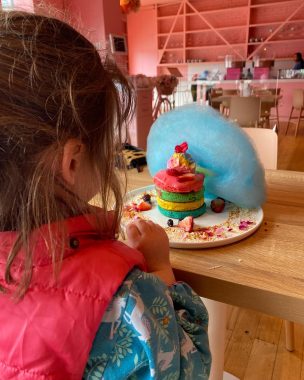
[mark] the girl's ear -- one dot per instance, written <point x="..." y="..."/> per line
<point x="71" y="160"/>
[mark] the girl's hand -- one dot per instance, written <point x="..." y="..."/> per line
<point x="150" y="239"/>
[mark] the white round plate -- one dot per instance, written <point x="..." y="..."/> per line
<point x="210" y="230"/>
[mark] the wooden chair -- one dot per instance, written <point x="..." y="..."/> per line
<point x="269" y="100"/>
<point x="230" y="91"/>
<point x="214" y="94"/>
<point x="298" y="104"/>
<point x="225" y="105"/>
<point x="246" y="111"/>
<point x="265" y="142"/>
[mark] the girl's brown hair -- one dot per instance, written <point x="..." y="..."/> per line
<point x="53" y="87"/>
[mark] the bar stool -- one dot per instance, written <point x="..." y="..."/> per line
<point x="298" y="104"/>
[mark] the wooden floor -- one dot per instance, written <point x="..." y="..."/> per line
<point x="255" y="342"/>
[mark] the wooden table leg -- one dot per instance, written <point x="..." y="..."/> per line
<point x="289" y="331"/>
<point x="217" y="332"/>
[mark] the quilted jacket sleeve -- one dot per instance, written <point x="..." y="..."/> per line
<point x="150" y="331"/>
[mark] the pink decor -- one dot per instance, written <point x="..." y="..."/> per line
<point x="233" y="73"/>
<point x="261" y="73"/>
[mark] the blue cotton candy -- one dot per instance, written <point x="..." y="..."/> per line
<point x="217" y="145"/>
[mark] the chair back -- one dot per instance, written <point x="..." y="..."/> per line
<point x="259" y="92"/>
<point x="275" y="91"/>
<point x="228" y="92"/>
<point x="245" y="110"/>
<point x="298" y="98"/>
<point x="265" y="142"/>
<point x="233" y="73"/>
<point x="261" y="73"/>
<point x="264" y="92"/>
<point x="215" y="93"/>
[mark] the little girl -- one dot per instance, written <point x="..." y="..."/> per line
<point x="76" y="303"/>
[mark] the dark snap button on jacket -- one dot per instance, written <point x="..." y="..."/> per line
<point x="74" y="243"/>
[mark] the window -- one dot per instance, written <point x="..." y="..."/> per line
<point x="7" y="4"/>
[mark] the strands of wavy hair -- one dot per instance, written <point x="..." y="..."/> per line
<point x="53" y="86"/>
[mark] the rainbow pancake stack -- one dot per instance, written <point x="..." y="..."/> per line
<point x="180" y="190"/>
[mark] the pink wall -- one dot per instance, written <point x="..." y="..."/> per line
<point x="95" y="18"/>
<point x="87" y="17"/>
<point x="52" y="8"/>
<point x="57" y="4"/>
<point x="142" y="42"/>
<point x="113" y="18"/>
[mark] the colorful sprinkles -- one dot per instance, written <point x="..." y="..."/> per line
<point x="239" y="220"/>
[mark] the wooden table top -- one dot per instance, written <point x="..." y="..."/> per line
<point x="265" y="271"/>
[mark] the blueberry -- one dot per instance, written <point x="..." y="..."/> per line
<point x="170" y="223"/>
<point x="147" y="198"/>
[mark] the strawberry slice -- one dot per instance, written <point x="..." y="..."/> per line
<point x="186" y="177"/>
<point x="144" y="206"/>
<point x="128" y="208"/>
<point x="173" y="172"/>
<point x="186" y="224"/>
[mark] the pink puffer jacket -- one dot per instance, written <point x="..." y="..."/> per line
<point x="49" y="333"/>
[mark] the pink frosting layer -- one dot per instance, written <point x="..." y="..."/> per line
<point x="173" y="184"/>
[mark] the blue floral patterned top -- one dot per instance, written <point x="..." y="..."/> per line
<point x="150" y="331"/>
